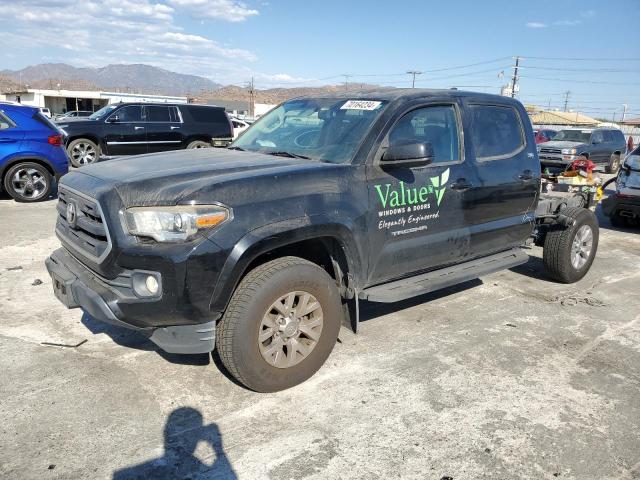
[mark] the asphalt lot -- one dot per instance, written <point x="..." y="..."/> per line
<point x="512" y="376"/>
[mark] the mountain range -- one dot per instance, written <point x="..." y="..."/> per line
<point x="133" y="77"/>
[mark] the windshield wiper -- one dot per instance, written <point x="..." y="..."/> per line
<point x="236" y="148"/>
<point x="282" y="153"/>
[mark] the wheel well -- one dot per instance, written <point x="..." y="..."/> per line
<point x="617" y="152"/>
<point x="11" y="163"/>
<point x="327" y="252"/>
<point x="584" y="154"/>
<point x="92" y="138"/>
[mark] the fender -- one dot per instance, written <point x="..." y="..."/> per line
<point x="275" y="235"/>
<point x="12" y="160"/>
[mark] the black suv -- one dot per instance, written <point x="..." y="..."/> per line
<point x="136" y="128"/>
<point x="601" y="145"/>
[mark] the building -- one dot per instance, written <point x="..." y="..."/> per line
<point x="557" y="118"/>
<point x="240" y="109"/>
<point x="61" y="101"/>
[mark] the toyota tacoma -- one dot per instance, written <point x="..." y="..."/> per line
<point x="264" y="249"/>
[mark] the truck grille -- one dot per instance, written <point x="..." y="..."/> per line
<point x="81" y="225"/>
<point x="556" y="151"/>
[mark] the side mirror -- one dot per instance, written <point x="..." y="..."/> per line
<point x="113" y="119"/>
<point x="408" y="155"/>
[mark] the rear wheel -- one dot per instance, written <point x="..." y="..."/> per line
<point x="281" y="324"/>
<point x="614" y="164"/>
<point x="83" y="152"/>
<point x="569" y="251"/>
<point x="198" y="144"/>
<point x="28" y="182"/>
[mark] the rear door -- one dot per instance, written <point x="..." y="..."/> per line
<point x="501" y="206"/>
<point x="164" y="129"/>
<point x="125" y="131"/>
<point x="418" y="214"/>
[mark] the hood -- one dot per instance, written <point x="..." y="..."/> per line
<point x="180" y="176"/>
<point x="78" y="122"/>
<point x="561" y="144"/>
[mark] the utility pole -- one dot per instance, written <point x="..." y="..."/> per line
<point x="251" y="98"/>
<point x="514" y="79"/>
<point x="346" y="81"/>
<point x="566" y="99"/>
<point x="624" y="111"/>
<point x="413" y="74"/>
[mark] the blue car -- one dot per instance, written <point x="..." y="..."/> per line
<point x="32" y="154"/>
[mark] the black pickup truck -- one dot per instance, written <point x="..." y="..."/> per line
<point x="264" y="249"/>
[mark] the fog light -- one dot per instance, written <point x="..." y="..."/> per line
<point x="146" y="284"/>
<point x="152" y="284"/>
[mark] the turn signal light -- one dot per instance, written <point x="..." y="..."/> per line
<point x="205" y="221"/>
<point x="55" y="140"/>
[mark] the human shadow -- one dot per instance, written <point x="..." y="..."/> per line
<point x="182" y="433"/>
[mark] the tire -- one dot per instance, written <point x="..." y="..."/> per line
<point x="246" y="357"/>
<point x="559" y="252"/>
<point x="83" y="151"/>
<point x="618" y="221"/>
<point x="198" y="144"/>
<point x="28" y="182"/>
<point x="614" y="164"/>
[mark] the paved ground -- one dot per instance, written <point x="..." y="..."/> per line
<point x="509" y="377"/>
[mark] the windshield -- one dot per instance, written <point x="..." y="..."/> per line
<point x="102" y="112"/>
<point x="324" y="129"/>
<point x="581" y="136"/>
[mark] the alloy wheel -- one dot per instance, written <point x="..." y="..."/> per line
<point x="29" y="183"/>
<point x="290" y="329"/>
<point x="83" y="153"/>
<point x="581" y="247"/>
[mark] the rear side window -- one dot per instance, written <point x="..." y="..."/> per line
<point x="207" y="114"/>
<point x="618" y="136"/>
<point x="157" y="114"/>
<point x="607" y="136"/>
<point x="5" y="122"/>
<point x="43" y="119"/>
<point x="497" y="132"/>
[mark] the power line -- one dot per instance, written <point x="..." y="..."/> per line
<point x="578" y="59"/>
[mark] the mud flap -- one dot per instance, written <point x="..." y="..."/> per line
<point x="351" y="309"/>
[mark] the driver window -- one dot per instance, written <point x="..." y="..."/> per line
<point x="597" y="137"/>
<point x="437" y="125"/>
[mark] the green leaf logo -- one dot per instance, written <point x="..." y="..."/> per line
<point x="439" y="185"/>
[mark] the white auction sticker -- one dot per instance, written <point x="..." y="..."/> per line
<point x="360" y="105"/>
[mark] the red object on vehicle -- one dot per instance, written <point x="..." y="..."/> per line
<point x="583" y="163"/>
<point x="630" y="144"/>
<point x="55" y="140"/>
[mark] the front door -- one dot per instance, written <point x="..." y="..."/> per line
<point x="418" y="214"/>
<point x="126" y="131"/>
<point x="599" y="147"/>
<point x="164" y="129"/>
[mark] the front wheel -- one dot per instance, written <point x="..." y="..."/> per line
<point x="28" y="182"/>
<point x="281" y="324"/>
<point x="569" y="251"/>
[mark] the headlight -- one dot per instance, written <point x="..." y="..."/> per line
<point x="569" y="151"/>
<point x="174" y="224"/>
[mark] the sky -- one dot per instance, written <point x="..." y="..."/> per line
<point x="587" y="48"/>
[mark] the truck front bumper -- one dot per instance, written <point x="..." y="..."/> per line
<point x="78" y="287"/>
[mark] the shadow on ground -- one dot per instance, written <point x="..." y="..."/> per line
<point x="183" y="432"/>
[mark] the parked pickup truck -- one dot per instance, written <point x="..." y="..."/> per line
<point x="262" y="250"/>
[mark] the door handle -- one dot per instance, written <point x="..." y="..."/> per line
<point x="7" y="140"/>
<point x="173" y="128"/>
<point x="526" y="175"/>
<point x="138" y="128"/>
<point x="461" y="185"/>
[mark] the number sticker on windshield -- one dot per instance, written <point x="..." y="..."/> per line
<point x="360" y="105"/>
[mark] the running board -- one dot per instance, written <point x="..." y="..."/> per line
<point x="445" y="277"/>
